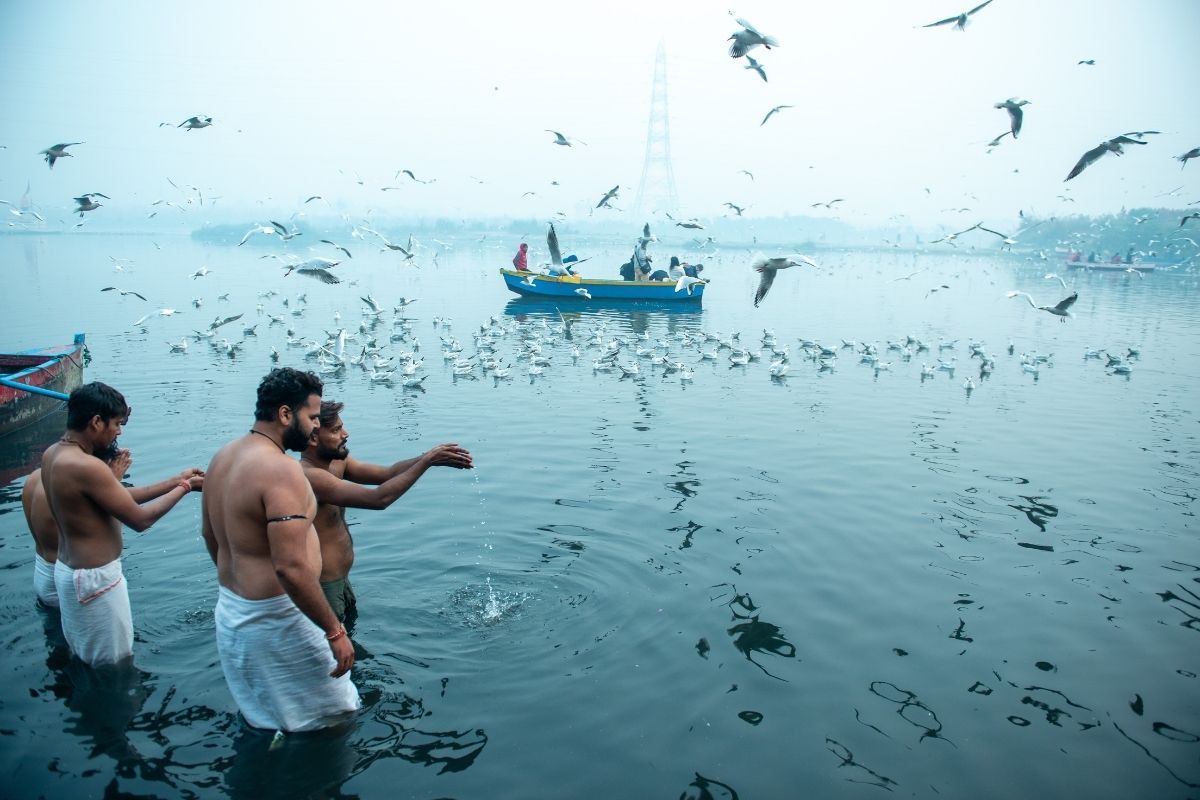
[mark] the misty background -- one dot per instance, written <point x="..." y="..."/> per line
<point x="315" y="99"/>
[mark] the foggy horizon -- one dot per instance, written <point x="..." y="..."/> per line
<point x="307" y="100"/>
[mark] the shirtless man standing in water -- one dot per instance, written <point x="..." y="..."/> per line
<point x="285" y="655"/>
<point x="88" y="505"/>
<point x="342" y="482"/>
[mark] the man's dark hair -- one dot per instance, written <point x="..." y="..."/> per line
<point x="92" y="399"/>
<point x="284" y="386"/>
<point x="330" y="409"/>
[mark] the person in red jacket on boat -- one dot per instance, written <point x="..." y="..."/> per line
<point x="521" y="259"/>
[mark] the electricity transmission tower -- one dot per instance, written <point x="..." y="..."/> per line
<point x="656" y="189"/>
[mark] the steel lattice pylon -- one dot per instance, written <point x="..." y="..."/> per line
<point x="656" y="189"/>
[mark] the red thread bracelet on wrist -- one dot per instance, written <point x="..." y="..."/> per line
<point x="185" y="485"/>
<point x="339" y="633"/>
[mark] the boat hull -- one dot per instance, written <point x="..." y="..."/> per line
<point x="565" y="288"/>
<point x="1109" y="266"/>
<point x="57" y="369"/>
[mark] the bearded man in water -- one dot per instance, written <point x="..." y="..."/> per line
<point x="285" y="655"/>
<point x="340" y="482"/>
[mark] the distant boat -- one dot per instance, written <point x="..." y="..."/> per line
<point x="566" y="286"/>
<point x="1108" y="266"/>
<point x="34" y="383"/>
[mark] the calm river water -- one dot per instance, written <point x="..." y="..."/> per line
<point x="836" y="584"/>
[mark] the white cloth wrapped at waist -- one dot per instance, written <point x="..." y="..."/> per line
<point x="43" y="582"/>
<point x="96" y="619"/>
<point x="277" y="665"/>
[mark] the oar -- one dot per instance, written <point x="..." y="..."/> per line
<point x="33" y="389"/>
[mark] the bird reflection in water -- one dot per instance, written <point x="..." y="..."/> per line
<point x="703" y="788"/>
<point x="751" y="635"/>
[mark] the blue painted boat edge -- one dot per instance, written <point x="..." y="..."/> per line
<point x="603" y="288"/>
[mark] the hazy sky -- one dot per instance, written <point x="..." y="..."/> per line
<point x="310" y="98"/>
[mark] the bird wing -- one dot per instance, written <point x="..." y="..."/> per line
<point x="946" y="21"/>
<point x="1022" y="294"/>
<point x="1016" y="115"/>
<point x="279" y="227"/>
<point x="135" y="294"/>
<point x="978" y="7"/>
<point x="764" y="283"/>
<point x="323" y="275"/>
<point x="219" y="322"/>
<point x="1086" y="160"/>
<point x="552" y="244"/>
<point x="1066" y="303"/>
<point x="1124" y="139"/>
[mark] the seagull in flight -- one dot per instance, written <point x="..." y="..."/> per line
<point x="1186" y="217"/>
<point x="687" y="282"/>
<point x="1059" y="310"/>
<point x="767" y="267"/>
<point x="218" y="321"/>
<point x="735" y="208"/>
<point x="122" y="292"/>
<point x="58" y="151"/>
<point x="409" y="173"/>
<point x="162" y="312"/>
<point x="959" y="20"/>
<point x="1111" y="146"/>
<point x="757" y="67"/>
<point x="560" y="139"/>
<point x="1015" y="115"/>
<point x="191" y="123"/>
<point x="86" y="203"/>
<point x="336" y="246"/>
<point x="748" y="38"/>
<point x="315" y="268"/>
<point x="830" y="203"/>
<point x="611" y="194"/>
<point x="1091" y="62"/>
<point x="267" y="229"/>
<point x="747" y="173"/>
<point x="1193" y="153"/>
<point x="1051" y="276"/>
<point x="771" y="113"/>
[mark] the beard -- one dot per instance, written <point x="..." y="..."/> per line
<point x="294" y="438"/>
<point x="108" y="452"/>
<point x="332" y="453"/>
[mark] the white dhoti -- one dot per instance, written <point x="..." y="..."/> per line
<point x="43" y="582"/>
<point x="96" y="619"/>
<point x="277" y="665"/>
